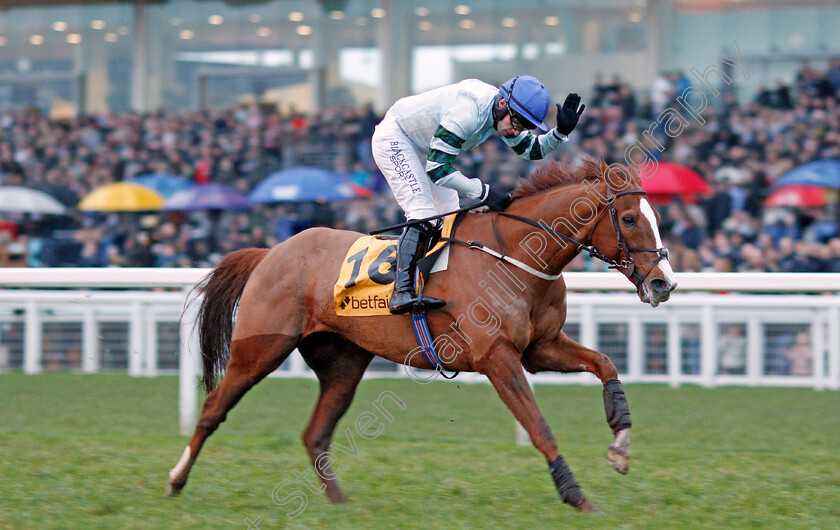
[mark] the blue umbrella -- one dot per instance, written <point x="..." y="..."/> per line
<point x="825" y="173"/>
<point x="302" y="184"/>
<point x="208" y="197"/>
<point x="163" y="183"/>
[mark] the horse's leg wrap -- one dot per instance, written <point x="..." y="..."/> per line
<point x="616" y="407"/>
<point x="567" y="485"/>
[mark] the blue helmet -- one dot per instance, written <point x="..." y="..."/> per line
<point x="528" y="98"/>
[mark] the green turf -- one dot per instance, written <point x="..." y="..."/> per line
<point x="93" y="451"/>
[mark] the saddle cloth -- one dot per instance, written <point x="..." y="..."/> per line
<point x="366" y="279"/>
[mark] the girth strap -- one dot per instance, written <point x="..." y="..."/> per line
<point x="424" y="339"/>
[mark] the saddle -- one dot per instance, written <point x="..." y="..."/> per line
<point x="366" y="279"/>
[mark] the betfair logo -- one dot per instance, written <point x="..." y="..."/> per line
<point x="368" y="302"/>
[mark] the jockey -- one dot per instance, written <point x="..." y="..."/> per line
<point x="420" y="136"/>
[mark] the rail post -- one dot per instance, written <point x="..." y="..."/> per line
<point x="32" y="342"/>
<point x="188" y="366"/>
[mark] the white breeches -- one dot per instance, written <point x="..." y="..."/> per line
<point x="405" y="170"/>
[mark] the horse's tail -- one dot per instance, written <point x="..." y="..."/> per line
<point x="222" y="289"/>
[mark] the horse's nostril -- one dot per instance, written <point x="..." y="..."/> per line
<point x="659" y="285"/>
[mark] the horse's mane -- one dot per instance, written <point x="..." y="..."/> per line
<point x="556" y="174"/>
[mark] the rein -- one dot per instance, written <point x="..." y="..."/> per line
<point x="626" y="265"/>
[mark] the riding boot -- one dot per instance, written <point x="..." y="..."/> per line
<point x="410" y="249"/>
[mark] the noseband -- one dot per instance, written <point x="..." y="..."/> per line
<point x="627" y="265"/>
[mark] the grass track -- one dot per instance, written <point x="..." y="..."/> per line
<point x="93" y="451"/>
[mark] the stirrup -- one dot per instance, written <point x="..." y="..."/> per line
<point x="430" y="302"/>
<point x="406" y="306"/>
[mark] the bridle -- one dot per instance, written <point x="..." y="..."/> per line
<point x="627" y="266"/>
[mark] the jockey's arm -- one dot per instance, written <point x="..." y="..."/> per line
<point x="535" y="147"/>
<point x="446" y="145"/>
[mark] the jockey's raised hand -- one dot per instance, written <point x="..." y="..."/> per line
<point x="569" y="114"/>
<point x="495" y="200"/>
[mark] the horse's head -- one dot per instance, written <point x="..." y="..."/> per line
<point x="627" y="232"/>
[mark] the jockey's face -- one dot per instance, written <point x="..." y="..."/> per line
<point x="507" y="126"/>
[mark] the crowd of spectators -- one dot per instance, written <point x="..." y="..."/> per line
<point x="740" y="150"/>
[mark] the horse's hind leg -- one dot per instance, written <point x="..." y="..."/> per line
<point x="562" y="354"/>
<point x="339" y="365"/>
<point x="251" y="359"/>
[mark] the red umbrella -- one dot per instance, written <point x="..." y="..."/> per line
<point x="360" y="190"/>
<point x="672" y="179"/>
<point x="797" y="195"/>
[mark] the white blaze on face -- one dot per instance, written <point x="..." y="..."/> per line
<point x="664" y="265"/>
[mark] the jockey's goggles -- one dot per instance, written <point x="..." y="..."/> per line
<point x="519" y="122"/>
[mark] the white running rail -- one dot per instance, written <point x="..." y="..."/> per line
<point x="701" y="336"/>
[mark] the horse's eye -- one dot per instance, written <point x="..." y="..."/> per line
<point x="629" y="220"/>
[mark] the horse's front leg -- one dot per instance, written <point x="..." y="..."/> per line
<point x="503" y="367"/>
<point x="562" y="354"/>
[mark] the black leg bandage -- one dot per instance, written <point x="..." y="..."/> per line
<point x="567" y="485"/>
<point x="615" y="405"/>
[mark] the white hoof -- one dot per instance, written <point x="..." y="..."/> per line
<point x="618" y="454"/>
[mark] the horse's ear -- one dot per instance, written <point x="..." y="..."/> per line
<point x="604" y="167"/>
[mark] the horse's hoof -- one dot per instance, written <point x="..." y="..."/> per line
<point x="618" y="454"/>
<point x="618" y="461"/>
<point x="338" y="498"/>
<point x="174" y="488"/>
<point x="178" y="475"/>
<point x="586" y="506"/>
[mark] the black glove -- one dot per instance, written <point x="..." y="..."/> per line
<point x="569" y="114"/>
<point x="495" y="200"/>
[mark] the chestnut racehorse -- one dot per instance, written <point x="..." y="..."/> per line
<point x="285" y="301"/>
